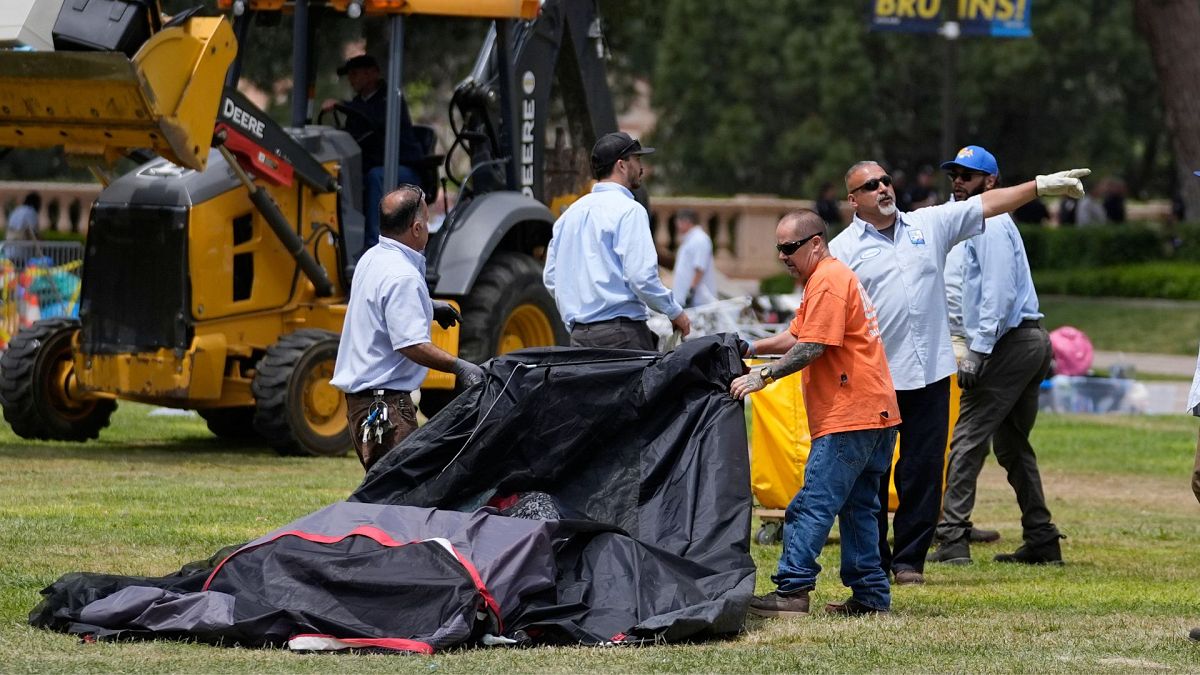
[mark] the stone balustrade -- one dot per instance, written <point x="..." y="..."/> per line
<point x="742" y="227"/>
<point x="66" y="207"/>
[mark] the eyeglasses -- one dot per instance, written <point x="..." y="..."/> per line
<point x="964" y="176"/>
<point x="790" y="247"/>
<point x="873" y="184"/>
<point x="412" y="188"/>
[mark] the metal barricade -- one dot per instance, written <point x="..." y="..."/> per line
<point x="38" y="280"/>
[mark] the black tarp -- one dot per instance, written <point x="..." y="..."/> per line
<point x="637" y="462"/>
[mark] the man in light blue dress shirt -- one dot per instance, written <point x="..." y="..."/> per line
<point x="601" y="266"/>
<point x="900" y="259"/>
<point x="1008" y="356"/>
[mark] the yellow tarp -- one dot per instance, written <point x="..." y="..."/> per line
<point x="779" y="442"/>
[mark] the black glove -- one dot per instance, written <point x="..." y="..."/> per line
<point x="970" y="368"/>
<point x="445" y="314"/>
<point x="468" y="373"/>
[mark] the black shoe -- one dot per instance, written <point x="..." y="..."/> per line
<point x="979" y="536"/>
<point x="1194" y="634"/>
<point x="957" y="552"/>
<point x="1048" y="553"/>
<point x="852" y="607"/>
<point x="775" y="604"/>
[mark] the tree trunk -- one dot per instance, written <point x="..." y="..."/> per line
<point x="1170" y="27"/>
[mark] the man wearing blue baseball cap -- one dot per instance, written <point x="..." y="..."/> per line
<point x="900" y="259"/>
<point x="1006" y="357"/>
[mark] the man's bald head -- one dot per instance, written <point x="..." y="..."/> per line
<point x="398" y="210"/>
<point x="803" y="223"/>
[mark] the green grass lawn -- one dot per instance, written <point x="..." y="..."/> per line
<point x="158" y="492"/>
<point x="1128" y="325"/>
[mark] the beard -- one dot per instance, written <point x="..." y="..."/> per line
<point x="888" y="209"/>
<point x="961" y="194"/>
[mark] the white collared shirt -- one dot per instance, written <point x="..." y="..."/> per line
<point x="695" y="253"/>
<point x="904" y="277"/>
<point x="389" y="309"/>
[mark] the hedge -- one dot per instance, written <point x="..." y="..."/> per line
<point x="1070" y="247"/>
<point x="1171" y="280"/>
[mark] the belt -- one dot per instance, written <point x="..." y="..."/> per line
<point x="1030" y="323"/>
<point x="619" y="319"/>
<point x="376" y="392"/>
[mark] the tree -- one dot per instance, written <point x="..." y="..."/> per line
<point x="782" y="95"/>
<point x="1170" y="28"/>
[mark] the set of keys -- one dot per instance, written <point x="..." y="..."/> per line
<point x="376" y="424"/>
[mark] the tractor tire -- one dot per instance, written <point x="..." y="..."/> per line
<point x="297" y="411"/>
<point x="508" y="309"/>
<point x="37" y="390"/>
<point x="231" y="424"/>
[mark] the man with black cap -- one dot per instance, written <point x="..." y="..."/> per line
<point x="1006" y="358"/>
<point x="900" y="259"/>
<point x="601" y="266"/>
<point x="364" y="120"/>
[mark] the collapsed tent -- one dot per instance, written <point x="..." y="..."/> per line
<point x="577" y="496"/>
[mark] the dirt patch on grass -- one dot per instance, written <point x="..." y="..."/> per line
<point x="1142" y="492"/>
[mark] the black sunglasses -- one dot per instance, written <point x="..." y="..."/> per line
<point x="873" y="184"/>
<point x="790" y="247"/>
<point x="964" y="176"/>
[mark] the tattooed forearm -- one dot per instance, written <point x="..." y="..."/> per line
<point x="800" y="355"/>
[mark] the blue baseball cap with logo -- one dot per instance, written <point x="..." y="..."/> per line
<point x="974" y="158"/>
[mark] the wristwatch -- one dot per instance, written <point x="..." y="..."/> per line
<point x="765" y="374"/>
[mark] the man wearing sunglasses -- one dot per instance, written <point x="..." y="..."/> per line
<point x="1006" y="356"/>
<point x="900" y="259"/>
<point x="852" y="416"/>
<point x="601" y="265"/>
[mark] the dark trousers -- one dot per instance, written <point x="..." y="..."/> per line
<point x="401" y="414"/>
<point x="615" y="334"/>
<point x="1002" y="406"/>
<point x="926" y="416"/>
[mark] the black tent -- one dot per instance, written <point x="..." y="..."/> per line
<point x="577" y="496"/>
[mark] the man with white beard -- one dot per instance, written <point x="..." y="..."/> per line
<point x="900" y="259"/>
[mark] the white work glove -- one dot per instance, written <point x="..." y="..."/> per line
<point x="1062" y="183"/>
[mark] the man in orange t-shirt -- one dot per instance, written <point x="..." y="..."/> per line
<point x="852" y="415"/>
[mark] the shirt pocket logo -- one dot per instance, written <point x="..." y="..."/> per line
<point x="868" y="254"/>
<point x="916" y="237"/>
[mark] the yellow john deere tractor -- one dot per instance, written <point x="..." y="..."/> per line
<point x="215" y="274"/>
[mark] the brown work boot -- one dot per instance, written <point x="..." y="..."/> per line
<point x="957" y="552"/>
<point x="852" y="607"/>
<point x="776" y="604"/>
<point x="909" y="578"/>
<point x="1048" y="553"/>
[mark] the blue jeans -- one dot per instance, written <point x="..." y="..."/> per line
<point x="841" y="478"/>
<point x="374" y="193"/>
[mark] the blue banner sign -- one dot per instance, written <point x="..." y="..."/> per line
<point x="998" y="18"/>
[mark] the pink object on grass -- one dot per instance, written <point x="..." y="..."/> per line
<point x="1073" y="351"/>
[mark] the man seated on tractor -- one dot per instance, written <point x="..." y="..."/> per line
<point x="365" y="117"/>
